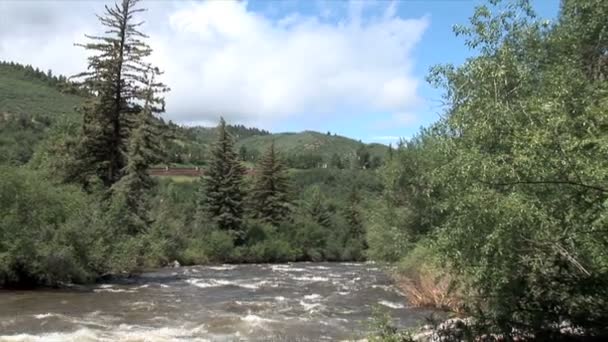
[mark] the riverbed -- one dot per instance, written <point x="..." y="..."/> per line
<point x="284" y="302"/>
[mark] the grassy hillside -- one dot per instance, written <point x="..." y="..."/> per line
<point x="300" y="143"/>
<point x="32" y="101"/>
<point x="22" y="94"/>
<point x="28" y="107"/>
<point x="311" y="144"/>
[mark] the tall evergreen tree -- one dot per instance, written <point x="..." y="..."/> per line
<point x="116" y="76"/>
<point x="353" y="215"/>
<point x="270" y="195"/>
<point x="318" y="209"/>
<point x="129" y="193"/>
<point x="221" y="185"/>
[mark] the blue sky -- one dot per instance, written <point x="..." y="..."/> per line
<point x="438" y="45"/>
<point x="356" y="68"/>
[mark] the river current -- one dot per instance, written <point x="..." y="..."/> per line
<point x="284" y="302"/>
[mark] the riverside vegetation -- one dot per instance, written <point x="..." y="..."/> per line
<point x="498" y="211"/>
<point x="77" y="202"/>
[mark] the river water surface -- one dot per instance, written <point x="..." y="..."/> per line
<point x="301" y="301"/>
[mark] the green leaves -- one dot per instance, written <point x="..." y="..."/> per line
<point x="513" y="179"/>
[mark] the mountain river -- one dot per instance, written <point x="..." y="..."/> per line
<point x="282" y="302"/>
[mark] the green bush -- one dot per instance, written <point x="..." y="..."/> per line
<point x="194" y="254"/>
<point x="218" y="246"/>
<point x="387" y="234"/>
<point x="422" y="256"/>
<point x="43" y="234"/>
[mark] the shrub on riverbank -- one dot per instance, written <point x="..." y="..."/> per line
<point x="511" y="184"/>
<point x="44" y="238"/>
<point x="426" y="282"/>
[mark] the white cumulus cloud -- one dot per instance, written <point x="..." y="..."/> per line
<point x="223" y="58"/>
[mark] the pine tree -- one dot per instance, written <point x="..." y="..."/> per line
<point x="318" y="209"/>
<point x="243" y="153"/>
<point x="129" y="194"/>
<point x="270" y="195"/>
<point x="221" y="186"/>
<point x="116" y="77"/>
<point x="353" y="215"/>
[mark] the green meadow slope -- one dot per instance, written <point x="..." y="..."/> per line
<point x="29" y="106"/>
<point x="303" y="143"/>
<point x="31" y="102"/>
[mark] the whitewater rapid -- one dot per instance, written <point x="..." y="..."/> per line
<point x="300" y="301"/>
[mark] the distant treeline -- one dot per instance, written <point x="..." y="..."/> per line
<point x="61" y="82"/>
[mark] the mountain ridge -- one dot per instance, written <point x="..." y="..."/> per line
<point x="32" y="101"/>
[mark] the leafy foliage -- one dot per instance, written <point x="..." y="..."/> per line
<point x="42" y="236"/>
<point x="511" y="184"/>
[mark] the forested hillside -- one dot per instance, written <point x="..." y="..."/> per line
<point x="31" y="101"/>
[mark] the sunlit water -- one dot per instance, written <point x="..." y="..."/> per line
<point x="303" y="301"/>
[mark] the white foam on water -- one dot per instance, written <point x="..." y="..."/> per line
<point x="45" y="315"/>
<point x="391" y="305"/>
<point x="350" y="264"/>
<point x="113" y="290"/>
<point x="286" y="268"/>
<point x="279" y="298"/>
<point x="310" y="306"/>
<point x="106" y="286"/>
<point x="122" y="333"/>
<point x="253" y="286"/>
<point x="276" y="268"/>
<point x="221" y="268"/>
<point x="164" y="286"/>
<point x="256" y="320"/>
<point x="207" y="283"/>
<point x="164" y="334"/>
<point x="202" y="283"/>
<point x="142" y="304"/>
<point x="81" y="335"/>
<point x="319" y="267"/>
<point x="383" y="287"/>
<point x="311" y="278"/>
<point x="312" y="296"/>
